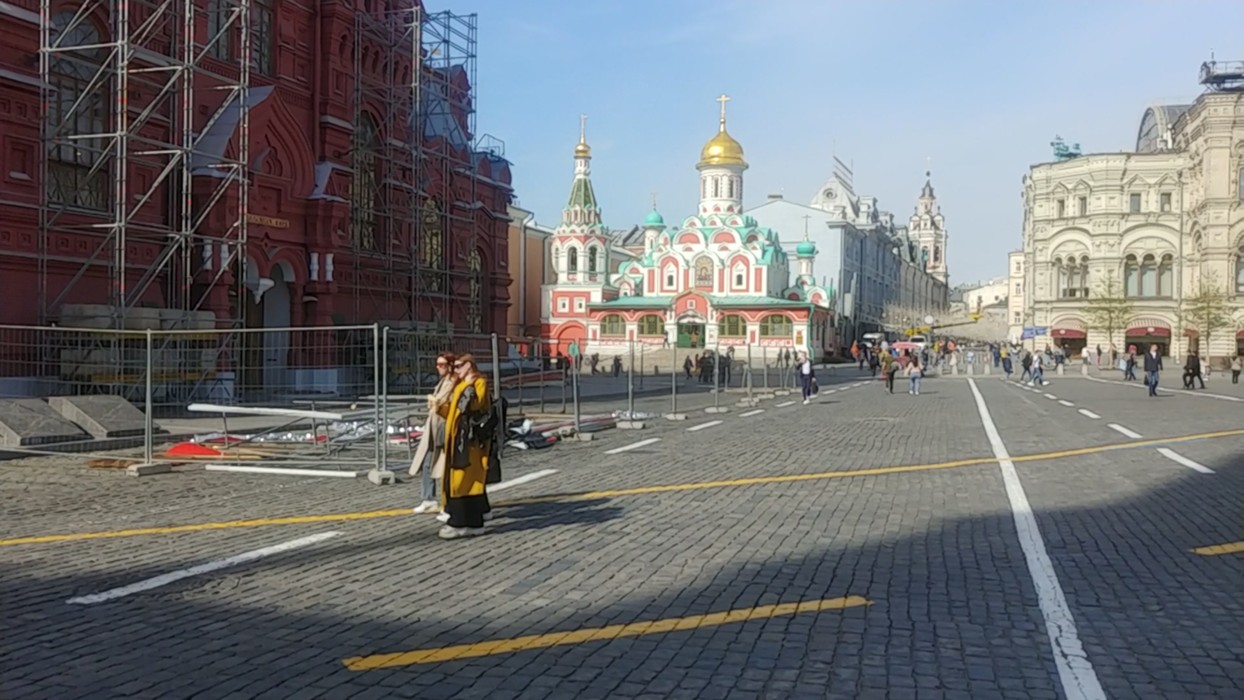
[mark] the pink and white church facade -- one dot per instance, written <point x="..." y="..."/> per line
<point x="716" y="280"/>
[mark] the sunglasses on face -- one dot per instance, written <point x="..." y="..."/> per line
<point x="459" y="366"/>
<point x="442" y="363"/>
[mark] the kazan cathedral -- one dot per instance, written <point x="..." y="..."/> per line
<point x="716" y="279"/>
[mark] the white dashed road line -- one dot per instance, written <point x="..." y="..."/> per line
<point x="174" y="576"/>
<point x="784" y="404"/>
<point x="1065" y="402"/>
<point x="1087" y="413"/>
<point x="1075" y="671"/>
<point x="702" y="426"/>
<point x="1051" y="397"/>
<point x="1129" y="433"/>
<point x="1177" y="458"/>
<point x="1168" y="392"/>
<point x="752" y="413"/>
<point x="521" y="480"/>
<point x="632" y="446"/>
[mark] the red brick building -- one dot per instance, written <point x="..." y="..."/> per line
<point x="247" y="164"/>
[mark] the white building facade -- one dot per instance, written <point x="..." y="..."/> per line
<point x="1157" y="226"/>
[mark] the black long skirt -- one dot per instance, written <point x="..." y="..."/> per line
<point x="467" y="511"/>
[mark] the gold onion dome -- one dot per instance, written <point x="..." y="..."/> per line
<point x="722" y="149"/>
<point x="581" y="149"/>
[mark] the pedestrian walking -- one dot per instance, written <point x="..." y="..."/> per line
<point x="805" y="377"/>
<point x="1153" y="367"/>
<point x="915" y="370"/>
<point x="889" y="367"/>
<point x="469" y="431"/>
<point x="1236" y="365"/>
<point x="429" y="460"/>
<point x="1192" y="371"/>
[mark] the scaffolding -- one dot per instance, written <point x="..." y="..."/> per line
<point x="143" y="179"/>
<point x="415" y="200"/>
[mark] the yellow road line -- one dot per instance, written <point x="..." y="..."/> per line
<point x="616" y="493"/>
<point x="596" y="634"/>
<point x="1215" y="550"/>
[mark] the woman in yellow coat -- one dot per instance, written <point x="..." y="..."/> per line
<point x="468" y="436"/>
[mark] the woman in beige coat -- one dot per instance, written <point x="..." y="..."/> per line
<point x="430" y="454"/>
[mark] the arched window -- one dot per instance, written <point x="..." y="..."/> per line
<point x="219" y="12"/>
<point x="652" y="325"/>
<point x="77" y="110"/>
<point x="1131" y="277"/>
<point x="1148" y="276"/>
<point x="572" y="260"/>
<point x="363" y="189"/>
<point x="1166" y="276"/>
<point x="740" y="275"/>
<point x="1084" y="277"/>
<point x="670" y="281"/>
<point x="776" y="326"/>
<point x="937" y="254"/>
<point x="716" y="187"/>
<point x="1060" y="277"/>
<point x="1239" y="267"/>
<point x="704" y="273"/>
<point x="730" y="187"/>
<point x="432" y="246"/>
<point x="475" y="266"/>
<point x="732" y="326"/>
<point x="591" y="259"/>
<point x="612" y="325"/>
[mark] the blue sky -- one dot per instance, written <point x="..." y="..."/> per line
<point x="979" y="87"/>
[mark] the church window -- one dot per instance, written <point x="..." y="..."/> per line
<point x="475" y="267"/>
<point x="1081" y="206"/>
<point x="1131" y="277"/>
<point x="432" y="246"/>
<point x="704" y="273"/>
<point x="591" y="259"/>
<point x="937" y="254"/>
<point x="730" y="187"/>
<point x="1061" y="206"/>
<point x="563" y="304"/>
<point x="1133" y="203"/>
<point x="1164" y="200"/>
<point x="732" y="326"/>
<point x="572" y="260"/>
<point x="716" y="187"/>
<point x="739" y="277"/>
<point x="1166" y="276"/>
<point x="651" y="325"/>
<point x="363" y="189"/>
<point x="669" y="278"/>
<point x="74" y="179"/>
<point x="776" y="326"/>
<point x="612" y="325"/>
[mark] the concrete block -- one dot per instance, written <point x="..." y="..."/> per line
<point x="971" y="370"/>
<point x="585" y="437"/>
<point x="148" y="469"/>
<point x="717" y="409"/>
<point x="675" y="416"/>
<point x="380" y="477"/>
<point x="27" y="422"/>
<point x="782" y="392"/>
<point x="630" y="425"/>
<point x="1084" y="369"/>
<point x="101" y="416"/>
<point x="765" y="396"/>
<point x="988" y="369"/>
<point x="1062" y="369"/>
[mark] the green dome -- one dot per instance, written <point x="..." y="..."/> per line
<point x="806" y="247"/>
<point x="654" y="219"/>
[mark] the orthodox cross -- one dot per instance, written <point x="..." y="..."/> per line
<point x="723" y="99"/>
<point x="928" y="166"/>
<point x="654" y="201"/>
<point x="582" y="128"/>
<point x="806" y="218"/>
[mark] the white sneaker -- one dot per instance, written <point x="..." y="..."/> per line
<point x="427" y="507"/>
<point x="443" y="517"/>
<point x="453" y="533"/>
<point x="806" y="402"/>
<point x="488" y="516"/>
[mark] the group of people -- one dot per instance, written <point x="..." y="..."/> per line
<point x="457" y="455"/>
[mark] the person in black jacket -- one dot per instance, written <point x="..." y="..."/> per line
<point x="1153" y="365"/>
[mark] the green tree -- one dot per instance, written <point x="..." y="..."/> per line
<point x="1108" y="309"/>
<point x="1208" y="311"/>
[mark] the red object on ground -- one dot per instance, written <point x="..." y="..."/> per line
<point x="192" y="449"/>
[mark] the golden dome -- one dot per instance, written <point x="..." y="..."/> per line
<point x="582" y="150"/>
<point x="722" y="149"/>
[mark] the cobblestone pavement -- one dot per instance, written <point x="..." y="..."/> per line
<point x="803" y="507"/>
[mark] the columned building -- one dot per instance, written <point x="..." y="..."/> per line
<point x="875" y="266"/>
<point x="1160" y="227"/>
